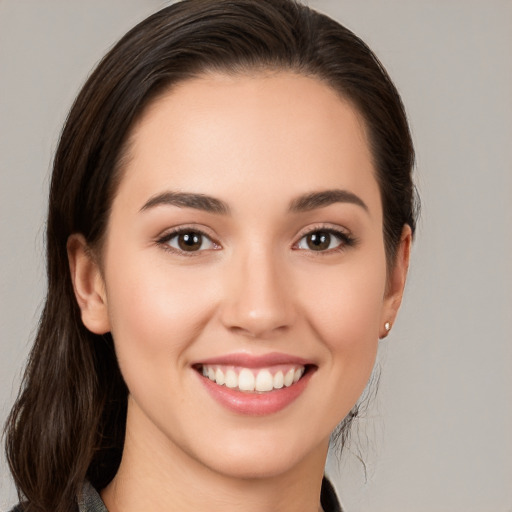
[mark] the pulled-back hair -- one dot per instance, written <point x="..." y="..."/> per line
<point x="68" y="422"/>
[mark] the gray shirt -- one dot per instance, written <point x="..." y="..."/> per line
<point x="89" y="499"/>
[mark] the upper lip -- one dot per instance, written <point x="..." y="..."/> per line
<point x="246" y="360"/>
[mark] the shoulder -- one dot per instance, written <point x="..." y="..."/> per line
<point x="88" y="500"/>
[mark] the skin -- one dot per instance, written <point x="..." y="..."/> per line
<point x="255" y="142"/>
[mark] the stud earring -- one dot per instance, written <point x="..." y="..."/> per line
<point x="387" y="326"/>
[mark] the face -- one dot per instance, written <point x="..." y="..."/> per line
<point x="243" y="274"/>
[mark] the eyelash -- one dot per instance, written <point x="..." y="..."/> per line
<point x="345" y="240"/>
<point x="164" y="240"/>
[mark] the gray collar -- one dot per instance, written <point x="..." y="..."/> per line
<point x="89" y="500"/>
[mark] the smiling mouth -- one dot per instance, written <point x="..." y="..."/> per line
<point x="253" y="380"/>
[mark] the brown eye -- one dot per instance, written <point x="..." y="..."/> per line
<point x="189" y="241"/>
<point x="319" y="241"/>
<point x="322" y="240"/>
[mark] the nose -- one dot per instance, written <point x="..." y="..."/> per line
<point x="258" y="296"/>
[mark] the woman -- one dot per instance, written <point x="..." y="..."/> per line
<point x="230" y="218"/>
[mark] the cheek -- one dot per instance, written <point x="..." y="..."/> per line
<point x="344" y="310"/>
<point x="155" y="311"/>
<point x="347" y="305"/>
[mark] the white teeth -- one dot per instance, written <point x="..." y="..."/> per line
<point x="264" y="381"/>
<point x="252" y="380"/>
<point x="246" y="380"/>
<point x="231" y="379"/>
<point x="279" y="380"/>
<point x="288" y="378"/>
<point x="219" y="376"/>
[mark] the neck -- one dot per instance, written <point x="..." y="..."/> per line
<point x="157" y="476"/>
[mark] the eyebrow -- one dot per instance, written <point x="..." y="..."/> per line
<point x="325" y="198"/>
<point x="188" y="200"/>
<point x="210" y="204"/>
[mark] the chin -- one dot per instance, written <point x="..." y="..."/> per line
<point x="259" y="468"/>
<point x="262" y="455"/>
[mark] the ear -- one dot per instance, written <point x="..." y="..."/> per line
<point x="396" y="282"/>
<point x="88" y="285"/>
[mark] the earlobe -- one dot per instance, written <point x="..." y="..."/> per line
<point x="396" y="282"/>
<point x="88" y="285"/>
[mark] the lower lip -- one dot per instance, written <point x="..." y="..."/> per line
<point x="254" y="403"/>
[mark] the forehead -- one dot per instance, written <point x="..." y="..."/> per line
<point x="264" y="130"/>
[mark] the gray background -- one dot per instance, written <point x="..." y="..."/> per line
<point x="439" y="435"/>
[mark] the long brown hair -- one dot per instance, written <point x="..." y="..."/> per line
<point x="68" y="422"/>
